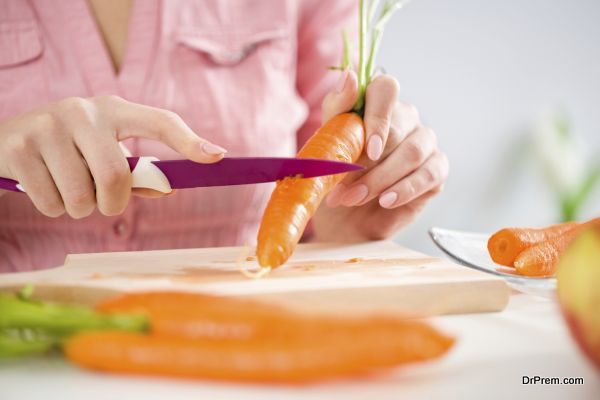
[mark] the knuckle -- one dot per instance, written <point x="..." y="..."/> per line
<point x="112" y="175"/>
<point x="52" y="208"/>
<point x="75" y="107"/>
<point x="43" y="122"/>
<point x="21" y="147"/>
<point x="108" y="100"/>
<point x="431" y="175"/>
<point x="79" y="203"/>
<point x="409" y="189"/>
<point x="72" y="104"/>
<point x="429" y="134"/>
<point x="169" y="117"/>
<point x="445" y="165"/>
<point x="111" y="209"/>
<point x="415" y="151"/>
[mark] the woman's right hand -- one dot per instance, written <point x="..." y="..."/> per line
<point x="67" y="157"/>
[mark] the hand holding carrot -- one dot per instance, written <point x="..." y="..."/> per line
<point x="405" y="167"/>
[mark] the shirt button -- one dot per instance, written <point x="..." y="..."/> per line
<point x="120" y="227"/>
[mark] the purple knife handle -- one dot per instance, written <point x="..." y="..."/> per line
<point x="12" y="185"/>
<point x="9" y="184"/>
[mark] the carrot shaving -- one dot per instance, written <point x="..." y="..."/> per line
<point x="245" y="269"/>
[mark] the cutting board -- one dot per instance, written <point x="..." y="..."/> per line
<point x="367" y="277"/>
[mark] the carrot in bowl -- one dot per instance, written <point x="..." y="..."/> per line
<point x="505" y="245"/>
<point x="294" y="201"/>
<point x="542" y="259"/>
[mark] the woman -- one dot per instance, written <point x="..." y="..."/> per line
<point x="77" y="77"/>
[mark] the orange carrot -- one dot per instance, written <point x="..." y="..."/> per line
<point x="256" y="360"/>
<point x="505" y="245"/>
<point x="542" y="258"/>
<point x="294" y="201"/>
<point x="197" y="316"/>
<point x="195" y="335"/>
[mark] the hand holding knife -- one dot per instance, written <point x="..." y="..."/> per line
<point x="163" y="176"/>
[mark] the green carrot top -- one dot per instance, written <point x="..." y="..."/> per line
<point x="370" y="27"/>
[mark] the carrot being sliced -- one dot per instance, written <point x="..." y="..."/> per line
<point x="505" y="245"/>
<point x="294" y="201"/>
<point x="312" y="359"/>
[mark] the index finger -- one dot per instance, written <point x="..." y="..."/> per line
<point x="137" y="120"/>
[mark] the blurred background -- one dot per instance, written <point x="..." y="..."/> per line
<point x="512" y="88"/>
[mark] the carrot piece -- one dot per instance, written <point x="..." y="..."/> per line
<point x="257" y="360"/>
<point x="542" y="258"/>
<point x="505" y="245"/>
<point x="294" y="201"/>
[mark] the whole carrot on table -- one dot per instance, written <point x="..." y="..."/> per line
<point x="199" y="316"/>
<point x="505" y="245"/>
<point x="236" y="339"/>
<point x="294" y="201"/>
<point x="256" y="360"/>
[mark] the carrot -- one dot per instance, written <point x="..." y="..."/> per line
<point x="197" y="316"/>
<point x="295" y="201"/>
<point x="204" y="336"/>
<point x="204" y="316"/>
<point x="505" y="245"/>
<point x="256" y="360"/>
<point x="542" y="258"/>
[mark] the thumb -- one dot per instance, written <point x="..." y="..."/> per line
<point x="342" y="97"/>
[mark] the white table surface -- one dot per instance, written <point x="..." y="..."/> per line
<point x="493" y="353"/>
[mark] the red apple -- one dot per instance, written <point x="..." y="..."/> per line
<point x="578" y="277"/>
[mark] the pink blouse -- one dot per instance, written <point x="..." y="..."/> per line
<point x="248" y="75"/>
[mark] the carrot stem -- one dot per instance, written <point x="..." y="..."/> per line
<point x="362" y="44"/>
<point x="366" y="64"/>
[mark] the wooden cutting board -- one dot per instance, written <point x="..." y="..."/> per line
<point x="371" y="277"/>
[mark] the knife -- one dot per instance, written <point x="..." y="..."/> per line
<point x="166" y="175"/>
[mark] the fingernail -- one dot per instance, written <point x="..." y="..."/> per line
<point x="375" y="147"/>
<point x="341" y="83"/>
<point x="387" y="199"/>
<point x="355" y="195"/>
<point x="333" y="200"/>
<point x="213" y="149"/>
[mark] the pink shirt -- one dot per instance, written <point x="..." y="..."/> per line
<point x="247" y="75"/>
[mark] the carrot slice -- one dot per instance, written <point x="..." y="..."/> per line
<point x="505" y="245"/>
<point x="256" y="360"/>
<point x="294" y="201"/>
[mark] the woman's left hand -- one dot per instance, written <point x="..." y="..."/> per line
<point x="405" y="167"/>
